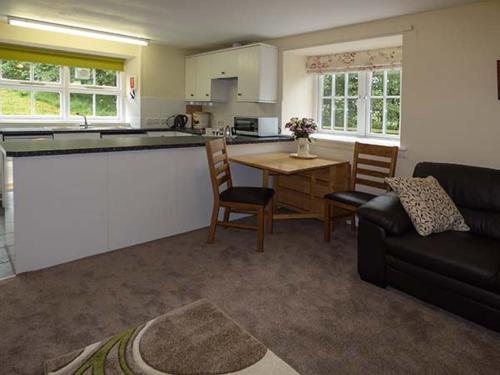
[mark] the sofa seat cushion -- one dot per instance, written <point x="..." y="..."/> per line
<point x="462" y="256"/>
<point x="352" y="198"/>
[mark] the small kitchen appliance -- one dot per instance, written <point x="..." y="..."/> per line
<point x="201" y="120"/>
<point x="257" y="126"/>
<point x="179" y="121"/>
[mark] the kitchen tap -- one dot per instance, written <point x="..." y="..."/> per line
<point x="85" y="123"/>
<point x="227" y="132"/>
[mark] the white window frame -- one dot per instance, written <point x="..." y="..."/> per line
<point x="364" y="105"/>
<point x="64" y="88"/>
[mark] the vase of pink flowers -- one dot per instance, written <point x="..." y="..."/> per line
<point x="302" y="128"/>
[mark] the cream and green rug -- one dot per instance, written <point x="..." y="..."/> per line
<point x="193" y="340"/>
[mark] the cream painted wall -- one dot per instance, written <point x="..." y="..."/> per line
<point x="15" y="34"/>
<point x="163" y="71"/>
<point x="162" y="74"/>
<point x="298" y="88"/>
<point x="450" y="109"/>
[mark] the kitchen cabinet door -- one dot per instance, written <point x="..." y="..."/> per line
<point x="190" y="81"/>
<point x="224" y="64"/>
<point x="248" y="70"/>
<point x="203" y="78"/>
<point x="257" y="74"/>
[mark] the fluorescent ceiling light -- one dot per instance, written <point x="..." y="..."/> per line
<point x="39" y="25"/>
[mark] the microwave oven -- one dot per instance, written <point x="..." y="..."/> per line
<point x="256" y="126"/>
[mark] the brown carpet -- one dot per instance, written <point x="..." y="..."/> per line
<point x="302" y="298"/>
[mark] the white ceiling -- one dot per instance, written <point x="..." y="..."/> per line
<point x="199" y="23"/>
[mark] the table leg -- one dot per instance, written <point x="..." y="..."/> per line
<point x="265" y="178"/>
<point x="312" y="184"/>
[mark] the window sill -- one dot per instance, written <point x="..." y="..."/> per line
<point x="352" y="139"/>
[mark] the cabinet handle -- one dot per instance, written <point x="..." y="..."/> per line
<point x="207" y="94"/>
<point x="239" y="94"/>
<point x="222" y="72"/>
<point x="192" y="94"/>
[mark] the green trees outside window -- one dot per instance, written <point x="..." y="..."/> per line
<point x="40" y="90"/>
<point x="364" y="103"/>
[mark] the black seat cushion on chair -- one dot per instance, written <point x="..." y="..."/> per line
<point x="353" y="198"/>
<point x="250" y="195"/>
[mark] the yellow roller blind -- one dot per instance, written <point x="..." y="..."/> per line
<point x="48" y="56"/>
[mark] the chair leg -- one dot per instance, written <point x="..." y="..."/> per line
<point x="353" y="223"/>
<point x="327" y="221"/>
<point x="227" y="213"/>
<point x="213" y="223"/>
<point x="270" y="213"/>
<point x="260" y="229"/>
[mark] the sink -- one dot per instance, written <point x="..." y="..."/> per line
<point x="90" y="127"/>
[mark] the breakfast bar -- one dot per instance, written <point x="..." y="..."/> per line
<point x="77" y="198"/>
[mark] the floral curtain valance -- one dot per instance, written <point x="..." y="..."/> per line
<point x="356" y="61"/>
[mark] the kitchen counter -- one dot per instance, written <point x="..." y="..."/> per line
<point x="40" y="147"/>
<point x="77" y="198"/>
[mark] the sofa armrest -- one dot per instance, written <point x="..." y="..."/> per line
<point x="371" y="253"/>
<point x="387" y="212"/>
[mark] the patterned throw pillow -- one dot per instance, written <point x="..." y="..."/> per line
<point x="429" y="207"/>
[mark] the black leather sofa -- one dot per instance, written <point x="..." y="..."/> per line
<point x="458" y="271"/>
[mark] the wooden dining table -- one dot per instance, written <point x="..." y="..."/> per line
<point x="300" y="184"/>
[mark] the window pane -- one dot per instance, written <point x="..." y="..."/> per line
<point x="15" y="102"/>
<point x="18" y="70"/>
<point x="47" y="103"/>
<point x="377" y="115"/>
<point x="46" y="72"/>
<point x="353" y="84"/>
<point x="393" y="110"/>
<point x="326" y="114"/>
<point x="352" y="115"/>
<point x="105" y="105"/>
<point x="81" y="76"/>
<point x="377" y="84"/>
<point x="393" y="82"/>
<point x="339" y="114"/>
<point x="340" y="84"/>
<point x="327" y="85"/>
<point x="80" y="103"/>
<point x="105" y="78"/>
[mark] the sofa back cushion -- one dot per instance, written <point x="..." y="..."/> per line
<point x="475" y="190"/>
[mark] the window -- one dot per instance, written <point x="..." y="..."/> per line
<point x="36" y="91"/>
<point x="361" y="103"/>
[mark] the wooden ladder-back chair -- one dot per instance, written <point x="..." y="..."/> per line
<point x="254" y="200"/>
<point x="371" y="165"/>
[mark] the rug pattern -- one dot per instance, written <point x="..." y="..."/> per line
<point x="193" y="340"/>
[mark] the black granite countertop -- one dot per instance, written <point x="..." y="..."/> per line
<point x="97" y="129"/>
<point x="41" y="147"/>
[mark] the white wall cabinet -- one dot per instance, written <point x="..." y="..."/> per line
<point x="225" y="64"/>
<point x="190" y="82"/>
<point x="199" y="85"/>
<point x="255" y="66"/>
